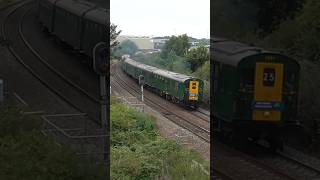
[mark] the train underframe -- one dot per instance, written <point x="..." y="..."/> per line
<point x="243" y="132"/>
<point x="186" y="103"/>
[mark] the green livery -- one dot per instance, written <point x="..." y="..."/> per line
<point x="255" y="91"/>
<point x="173" y="86"/>
<point x="80" y="24"/>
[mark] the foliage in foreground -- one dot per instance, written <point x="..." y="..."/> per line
<point x="138" y="152"/>
<point x="25" y="153"/>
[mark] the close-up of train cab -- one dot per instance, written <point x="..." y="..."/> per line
<point x="255" y="90"/>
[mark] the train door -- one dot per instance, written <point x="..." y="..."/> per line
<point x="268" y="92"/>
<point x="193" y="90"/>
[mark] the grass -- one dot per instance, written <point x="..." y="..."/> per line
<point x="139" y="152"/>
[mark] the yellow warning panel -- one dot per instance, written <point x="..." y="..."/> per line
<point x="265" y="115"/>
<point x="193" y="90"/>
<point x="268" y="88"/>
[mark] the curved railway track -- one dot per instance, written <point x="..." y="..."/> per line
<point x="198" y="125"/>
<point x="52" y="78"/>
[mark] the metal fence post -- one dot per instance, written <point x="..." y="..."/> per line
<point x="142" y="99"/>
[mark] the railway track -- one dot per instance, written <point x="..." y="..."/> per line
<point x="38" y="66"/>
<point x="199" y="126"/>
<point x="290" y="163"/>
<point x="239" y="165"/>
<point x="259" y="159"/>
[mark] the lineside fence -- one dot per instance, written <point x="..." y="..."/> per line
<point x="77" y="132"/>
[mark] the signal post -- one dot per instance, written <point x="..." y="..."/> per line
<point x="101" y="67"/>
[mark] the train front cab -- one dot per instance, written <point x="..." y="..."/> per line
<point x="257" y="97"/>
<point x="274" y="97"/>
<point x="193" y="93"/>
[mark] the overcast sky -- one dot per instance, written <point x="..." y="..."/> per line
<point x="162" y="17"/>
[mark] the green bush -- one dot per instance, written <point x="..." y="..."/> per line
<point x="14" y="123"/>
<point x="25" y="153"/>
<point x="33" y="156"/>
<point x="138" y="152"/>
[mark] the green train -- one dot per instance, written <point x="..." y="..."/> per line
<point x="175" y="87"/>
<point x="255" y="92"/>
<point x="80" y="24"/>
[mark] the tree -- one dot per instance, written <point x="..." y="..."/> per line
<point x="273" y="12"/>
<point x="307" y="43"/>
<point x="179" y="45"/>
<point x="171" y="59"/>
<point x="197" y="57"/>
<point x="113" y="35"/>
<point x="126" y="47"/>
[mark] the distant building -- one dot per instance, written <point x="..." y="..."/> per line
<point x="155" y="44"/>
<point x="159" y="42"/>
<point x="193" y="43"/>
<point x="193" y="47"/>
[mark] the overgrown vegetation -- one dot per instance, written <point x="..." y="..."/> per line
<point x="25" y="153"/>
<point x="125" y="47"/>
<point x="4" y="3"/>
<point x="139" y="152"/>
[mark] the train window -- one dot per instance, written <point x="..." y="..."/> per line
<point x="247" y="78"/>
<point x="289" y="81"/>
<point x="269" y="76"/>
<point x="216" y="73"/>
<point x="194" y="85"/>
<point x="216" y="70"/>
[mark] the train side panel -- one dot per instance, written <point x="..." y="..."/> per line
<point x="67" y="27"/>
<point x="225" y="92"/>
<point x="92" y="34"/>
<point x="46" y="13"/>
<point x="174" y="90"/>
<point x="94" y="29"/>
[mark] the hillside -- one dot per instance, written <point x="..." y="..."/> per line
<point x="232" y="18"/>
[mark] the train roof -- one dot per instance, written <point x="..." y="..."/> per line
<point x="161" y="72"/>
<point x="232" y="52"/>
<point x="99" y="15"/>
<point x="75" y="6"/>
